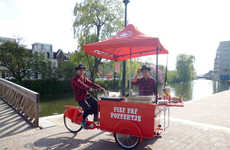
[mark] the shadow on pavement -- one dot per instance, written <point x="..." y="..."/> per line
<point x="64" y="142"/>
<point x="10" y="122"/>
<point x="145" y="144"/>
<point x="110" y="144"/>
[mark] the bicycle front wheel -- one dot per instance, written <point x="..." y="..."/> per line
<point x="71" y="126"/>
<point x="126" y="141"/>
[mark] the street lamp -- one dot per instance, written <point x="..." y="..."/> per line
<point x="124" y="62"/>
<point x="126" y="3"/>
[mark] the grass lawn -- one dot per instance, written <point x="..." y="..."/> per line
<point x="51" y="105"/>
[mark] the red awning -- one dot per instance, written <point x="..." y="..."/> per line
<point x="128" y="41"/>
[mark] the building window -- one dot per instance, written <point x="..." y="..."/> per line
<point x="35" y="75"/>
<point x="48" y="55"/>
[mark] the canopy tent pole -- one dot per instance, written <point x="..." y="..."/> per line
<point x="114" y="77"/>
<point x="124" y="62"/>
<point x="130" y="73"/>
<point x="156" y="75"/>
<point x="166" y="72"/>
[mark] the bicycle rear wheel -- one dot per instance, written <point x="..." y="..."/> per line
<point x="71" y="126"/>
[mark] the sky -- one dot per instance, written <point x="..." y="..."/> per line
<point x="193" y="27"/>
<point x="43" y="21"/>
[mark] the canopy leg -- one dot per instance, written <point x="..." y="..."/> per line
<point x="130" y="73"/>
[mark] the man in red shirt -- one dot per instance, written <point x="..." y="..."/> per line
<point x="81" y="87"/>
<point x="146" y="84"/>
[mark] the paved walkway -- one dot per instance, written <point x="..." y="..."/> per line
<point x="200" y="125"/>
<point x="214" y="110"/>
<point x="10" y="122"/>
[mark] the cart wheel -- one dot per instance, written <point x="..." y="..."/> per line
<point x="126" y="141"/>
<point x="71" y="126"/>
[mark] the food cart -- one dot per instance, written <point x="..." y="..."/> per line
<point x="131" y="118"/>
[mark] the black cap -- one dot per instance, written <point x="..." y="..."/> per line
<point x="144" y="67"/>
<point x="80" y="66"/>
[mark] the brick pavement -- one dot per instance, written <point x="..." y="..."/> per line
<point x="213" y="110"/>
<point x="194" y="127"/>
<point x="178" y="137"/>
<point x="10" y="122"/>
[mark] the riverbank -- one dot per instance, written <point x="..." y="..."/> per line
<point x="51" y="105"/>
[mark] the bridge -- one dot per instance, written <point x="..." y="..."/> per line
<point x="19" y="108"/>
<point x="24" y="101"/>
<point x="201" y="124"/>
<point x="204" y="77"/>
<point x="11" y="123"/>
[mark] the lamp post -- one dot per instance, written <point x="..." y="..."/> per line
<point x="124" y="62"/>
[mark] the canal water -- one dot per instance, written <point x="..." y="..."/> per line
<point x="198" y="89"/>
<point x="194" y="90"/>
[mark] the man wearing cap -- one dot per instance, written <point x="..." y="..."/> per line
<point x="146" y="84"/>
<point x="81" y="87"/>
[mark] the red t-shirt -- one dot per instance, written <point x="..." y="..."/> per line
<point x="81" y="86"/>
<point x="146" y="87"/>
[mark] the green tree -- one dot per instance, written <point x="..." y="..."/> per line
<point x="17" y="59"/>
<point x="90" y="61"/>
<point x="135" y="66"/>
<point x="185" y="67"/>
<point x="22" y="63"/>
<point x="183" y="89"/>
<point x="66" y="70"/>
<point x="106" y="67"/>
<point x="42" y="66"/>
<point x="95" y="20"/>
<point x="172" y="76"/>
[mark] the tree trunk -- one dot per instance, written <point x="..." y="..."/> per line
<point x="97" y="60"/>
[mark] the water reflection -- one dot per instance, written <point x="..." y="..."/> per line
<point x="182" y="89"/>
<point x="219" y="86"/>
<point x="198" y="89"/>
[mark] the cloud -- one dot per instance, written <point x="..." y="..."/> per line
<point x="47" y="22"/>
<point x="2" y="5"/>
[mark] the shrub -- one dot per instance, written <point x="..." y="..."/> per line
<point x="48" y="86"/>
<point x="54" y="86"/>
<point x="109" y="84"/>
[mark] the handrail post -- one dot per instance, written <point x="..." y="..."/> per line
<point x="36" y="122"/>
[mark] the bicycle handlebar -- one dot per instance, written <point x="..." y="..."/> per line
<point x="95" y="91"/>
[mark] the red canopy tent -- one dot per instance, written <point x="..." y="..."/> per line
<point x="129" y="43"/>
